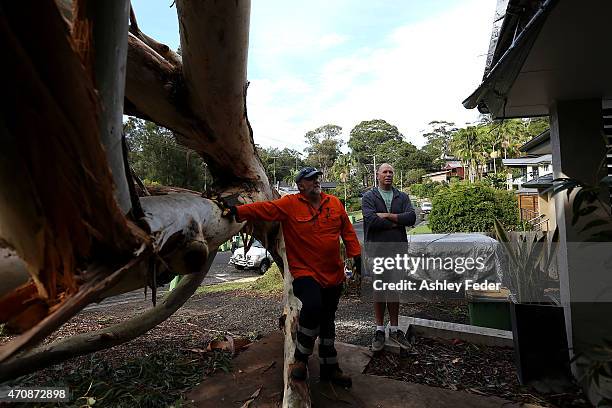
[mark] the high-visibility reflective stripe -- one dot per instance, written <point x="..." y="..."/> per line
<point x="326" y="342"/>
<point x="328" y="360"/>
<point x="303" y="349"/>
<point x="309" y="332"/>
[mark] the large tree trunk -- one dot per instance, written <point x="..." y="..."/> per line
<point x="60" y="186"/>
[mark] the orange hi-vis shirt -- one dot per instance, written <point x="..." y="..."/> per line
<point x="311" y="236"/>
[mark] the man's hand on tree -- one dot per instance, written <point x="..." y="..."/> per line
<point x="229" y="212"/>
<point x="225" y="204"/>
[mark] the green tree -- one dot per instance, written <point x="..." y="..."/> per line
<point x="438" y="141"/>
<point x="403" y="156"/>
<point x="155" y="156"/>
<point x="466" y="145"/>
<point x="280" y="164"/>
<point x="414" y="176"/>
<point x="323" y="147"/>
<point x="344" y="171"/>
<point x="371" y="133"/>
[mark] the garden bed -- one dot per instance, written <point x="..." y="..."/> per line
<point x="457" y="365"/>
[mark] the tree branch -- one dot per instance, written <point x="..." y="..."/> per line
<point x="102" y="339"/>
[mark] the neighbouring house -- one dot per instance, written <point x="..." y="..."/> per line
<point x="536" y="162"/>
<point x="527" y="168"/>
<point x="536" y="203"/>
<point x="545" y="59"/>
<point x="328" y="185"/>
<point x="437" y="176"/>
<point x="452" y="168"/>
<point x="455" y="169"/>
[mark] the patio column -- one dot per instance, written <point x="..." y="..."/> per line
<point x="577" y="150"/>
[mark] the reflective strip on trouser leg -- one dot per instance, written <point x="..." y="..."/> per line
<point x="305" y="342"/>
<point x="303" y="349"/>
<point x="327" y="352"/>
<point x="309" y="332"/>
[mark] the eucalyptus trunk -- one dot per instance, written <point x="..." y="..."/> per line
<point x="66" y="205"/>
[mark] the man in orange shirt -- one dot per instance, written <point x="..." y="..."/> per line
<point x="312" y="223"/>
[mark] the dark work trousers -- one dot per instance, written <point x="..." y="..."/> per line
<point x="317" y="319"/>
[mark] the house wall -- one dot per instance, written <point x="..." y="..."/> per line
<point x="546" y="207"/>
<point x="577" y="151"/>
<point x="441" y="178"/>
<point x="516" y="184"/>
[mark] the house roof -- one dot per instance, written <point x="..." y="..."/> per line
<point x="527" y="191"/>
<point x="507" y="53"/>
<point x="540" y="182"/>
<point x="528" y="161"/>
<point x="545" y="51"/>
<point x="328" y="184"/>
<point x="537" y="141"/>
<point x="437" y="173"/>
<point x="453" y="164"/>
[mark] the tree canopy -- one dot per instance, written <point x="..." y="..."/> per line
<point x="323" y="147"/>
<point x="155" y="156"/>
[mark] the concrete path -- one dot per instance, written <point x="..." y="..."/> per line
<point x="257" y="375"/>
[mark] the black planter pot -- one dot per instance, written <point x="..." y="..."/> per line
<point x="540" y="342"/>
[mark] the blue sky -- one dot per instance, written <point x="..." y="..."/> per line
<point x="343" y="61"/>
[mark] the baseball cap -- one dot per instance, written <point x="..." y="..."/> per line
<point x="307" y="172"/>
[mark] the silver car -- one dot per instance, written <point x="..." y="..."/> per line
<point x="257" y="257"/>
<point x="426" y="207"/>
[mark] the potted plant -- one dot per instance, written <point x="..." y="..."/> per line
<point x="538" y="321"/>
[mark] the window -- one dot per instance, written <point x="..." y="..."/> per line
<point x="545" y="168"/>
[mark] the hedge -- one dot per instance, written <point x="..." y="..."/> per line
<point x="465" y="207"/>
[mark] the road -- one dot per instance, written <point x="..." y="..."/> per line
<point x="219" y="272"/>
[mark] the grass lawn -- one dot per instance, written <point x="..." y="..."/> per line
<point x="421" y="229"/>
<point x="269" y="282"/>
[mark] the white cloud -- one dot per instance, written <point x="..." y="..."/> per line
<point x="331" y="40"/>
<point x="422" y="73"/>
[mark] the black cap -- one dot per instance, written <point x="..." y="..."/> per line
<point x="307" y="172"/>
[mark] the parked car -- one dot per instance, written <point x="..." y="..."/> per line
<point x="257" y="257"/>
<point x="426" y="207"/>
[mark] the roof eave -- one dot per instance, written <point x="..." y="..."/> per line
<point x="491" y="94"/>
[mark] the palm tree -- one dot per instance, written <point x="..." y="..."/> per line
<point x="466" y="145"/>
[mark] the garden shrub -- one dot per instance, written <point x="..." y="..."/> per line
<point x="465" y="207"/>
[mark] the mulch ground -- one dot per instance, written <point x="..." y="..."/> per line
<point x="159" y="366"/>
<point x="477" y="369"/>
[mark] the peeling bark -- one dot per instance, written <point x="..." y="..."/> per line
<point x="57" y="206"/>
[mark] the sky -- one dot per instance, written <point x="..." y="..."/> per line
<point x="340" y="62"/>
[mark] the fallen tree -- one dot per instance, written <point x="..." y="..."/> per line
<point x="68" y="206"/>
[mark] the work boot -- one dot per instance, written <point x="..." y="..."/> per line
<point x="334" y="374"/>
<point x="299" y="371"/>
<point x="399" y="338"/>
<point x="378" y="343"/>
